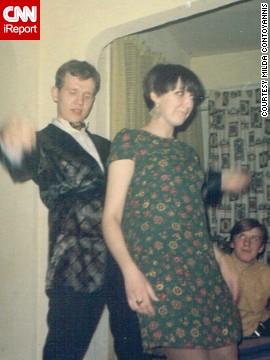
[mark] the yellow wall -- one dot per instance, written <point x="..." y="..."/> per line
<point x="228" y="70"/>
<point x="69" y="29"/>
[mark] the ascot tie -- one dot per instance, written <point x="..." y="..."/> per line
<point x="78" y="125"/>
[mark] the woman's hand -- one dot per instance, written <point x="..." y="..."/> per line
<point x="234" y="181"/>
<point x="140" y="293"/>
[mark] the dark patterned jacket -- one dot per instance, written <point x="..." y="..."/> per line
<point x="72" y="186"/>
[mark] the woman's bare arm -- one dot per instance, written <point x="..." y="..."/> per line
<point x="137" y="286"/>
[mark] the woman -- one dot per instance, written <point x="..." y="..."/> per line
<point x="155" y="226"/>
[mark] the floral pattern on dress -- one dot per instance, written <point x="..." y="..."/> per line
<point x="165" y="228"/>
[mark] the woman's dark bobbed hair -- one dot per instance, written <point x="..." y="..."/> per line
<point x="163" y="78"/>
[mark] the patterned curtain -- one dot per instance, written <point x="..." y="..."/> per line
<point x="240" y="138"/>
<point x="130" y="61"/>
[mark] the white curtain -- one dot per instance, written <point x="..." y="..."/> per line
<point x="240" y="138"/>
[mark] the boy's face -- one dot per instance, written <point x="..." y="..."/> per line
<point x="75" y="98"/>
<point x="247" y="245"/>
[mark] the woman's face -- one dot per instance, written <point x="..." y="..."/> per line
<point x="247" y="245"/>
<point x="175" y="105"/>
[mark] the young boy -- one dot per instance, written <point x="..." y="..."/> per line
<point x="247" y="239"/>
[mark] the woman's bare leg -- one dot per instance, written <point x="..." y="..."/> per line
<point x="224" y="353"/>
<point x="186" y="354"/>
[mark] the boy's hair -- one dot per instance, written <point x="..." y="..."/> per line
<point x="80" y="69"/>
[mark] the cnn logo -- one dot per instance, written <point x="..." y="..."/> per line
<point x="16" y="13"/>
<point x="20" y="20"/>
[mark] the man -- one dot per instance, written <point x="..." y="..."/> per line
<point x="247" y="240"/>
<point x="67" y="162"/>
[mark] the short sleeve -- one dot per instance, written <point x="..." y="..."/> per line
<point x="122" y="146"/>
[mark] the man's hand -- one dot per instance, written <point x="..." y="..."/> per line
<point x="234" y="181"/>
<point x="18" y="135"/>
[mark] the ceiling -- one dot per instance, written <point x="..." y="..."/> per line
<point x="230" y="29"/>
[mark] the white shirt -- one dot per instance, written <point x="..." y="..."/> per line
<point x="81" y="137"/>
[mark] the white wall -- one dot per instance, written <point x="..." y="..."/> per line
<point x="171" y="50"/>
<point x="228" y="70"/>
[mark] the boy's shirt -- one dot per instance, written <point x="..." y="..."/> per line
<point x="254" y="292"/>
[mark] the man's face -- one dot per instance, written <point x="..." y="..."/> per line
<point x="75" y="99"/>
